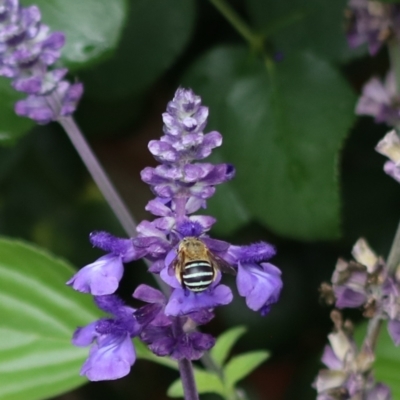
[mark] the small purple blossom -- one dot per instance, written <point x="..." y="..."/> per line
<point x="371" y="22"/>
<point x="380" y="100"/>
<point x="112" y="352"/>
<point x="27" y="50"/>
<point x="181" y="183"/>
<point x="102" y="276"/>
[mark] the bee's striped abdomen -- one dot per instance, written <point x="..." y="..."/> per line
<point x="198" y="275"/>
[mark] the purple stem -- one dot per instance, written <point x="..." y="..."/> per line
<point x="99" y="176"/>
<point x="185" y="368"/>
<point x="188" y="382"/>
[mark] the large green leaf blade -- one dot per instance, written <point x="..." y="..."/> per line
<point x="283" y="129"/>
<point x="92" y="27"/>
<point x="156" y="33"/>
<point x="315" y="25"/>
<point x="39" y="314"/>
<point x="242" y="365"/>
<point x="224" y="344"/>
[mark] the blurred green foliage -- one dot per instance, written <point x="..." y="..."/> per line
<point x="306" y="171"/>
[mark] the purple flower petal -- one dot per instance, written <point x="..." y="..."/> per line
<point x="84" y="336"/>
<point x="183" y="301"/>
<point x="111" y="358"/>
<point x="330" y="359"/>
<point x="157" y="207"/>
<point x="112" y="304"/>
<point x="346" y="297"/>
<point x="116" y="246"/>
<point x="192" y="346"/>
<point x="148" y="294"/>
<point x="36" y="108"/>
<point x="260" y="285"/>
<point x="254" y="253"/>
<point x="392" y="170"/>
<point x="99" y="278"/>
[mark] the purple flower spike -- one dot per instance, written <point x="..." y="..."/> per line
<point x="177" y="246"/>
<point x="99" y="278"/>
<point x="27" y="49"/>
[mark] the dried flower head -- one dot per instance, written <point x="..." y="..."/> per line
<point x="348" y="375"/>
<point x="366" y="283"/>
<point x="371" y="22"/>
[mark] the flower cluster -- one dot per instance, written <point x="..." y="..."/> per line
<point x="380" y="100"/>
<point x="366" y="283"/>
<point x="390" y="147"/>
<point x="372" y="22"/>
<point x="27" y="50"/>
<point x="181" y="185"/>
<point x="349" y="375"/>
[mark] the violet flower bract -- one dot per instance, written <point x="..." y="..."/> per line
<point x="112" y="352"/>
<point x="181" y="183"/>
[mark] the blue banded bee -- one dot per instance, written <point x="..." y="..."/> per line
<point x="196" y="266"/>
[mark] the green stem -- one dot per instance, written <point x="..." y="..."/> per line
<point x="237" y="22"/>
<point x="394" y="55"/>
<point x="393" y="262"/>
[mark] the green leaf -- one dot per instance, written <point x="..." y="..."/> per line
<point x="92" y="27"/>
<point x="11" y="125"/>
<point x="315" y="25"/>
<point x="242" y="365"/>
<point x="156" y="33"/>
<point x="39" y="314"/>
<point x="283" y="129"/>
<point x="387" y="355"/>
<point x="224" y="344"/>
<point x="206" y="382"/>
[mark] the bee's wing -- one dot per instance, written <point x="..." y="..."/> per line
<point x="177" y="265"/>
<point x="220" y="263"/>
